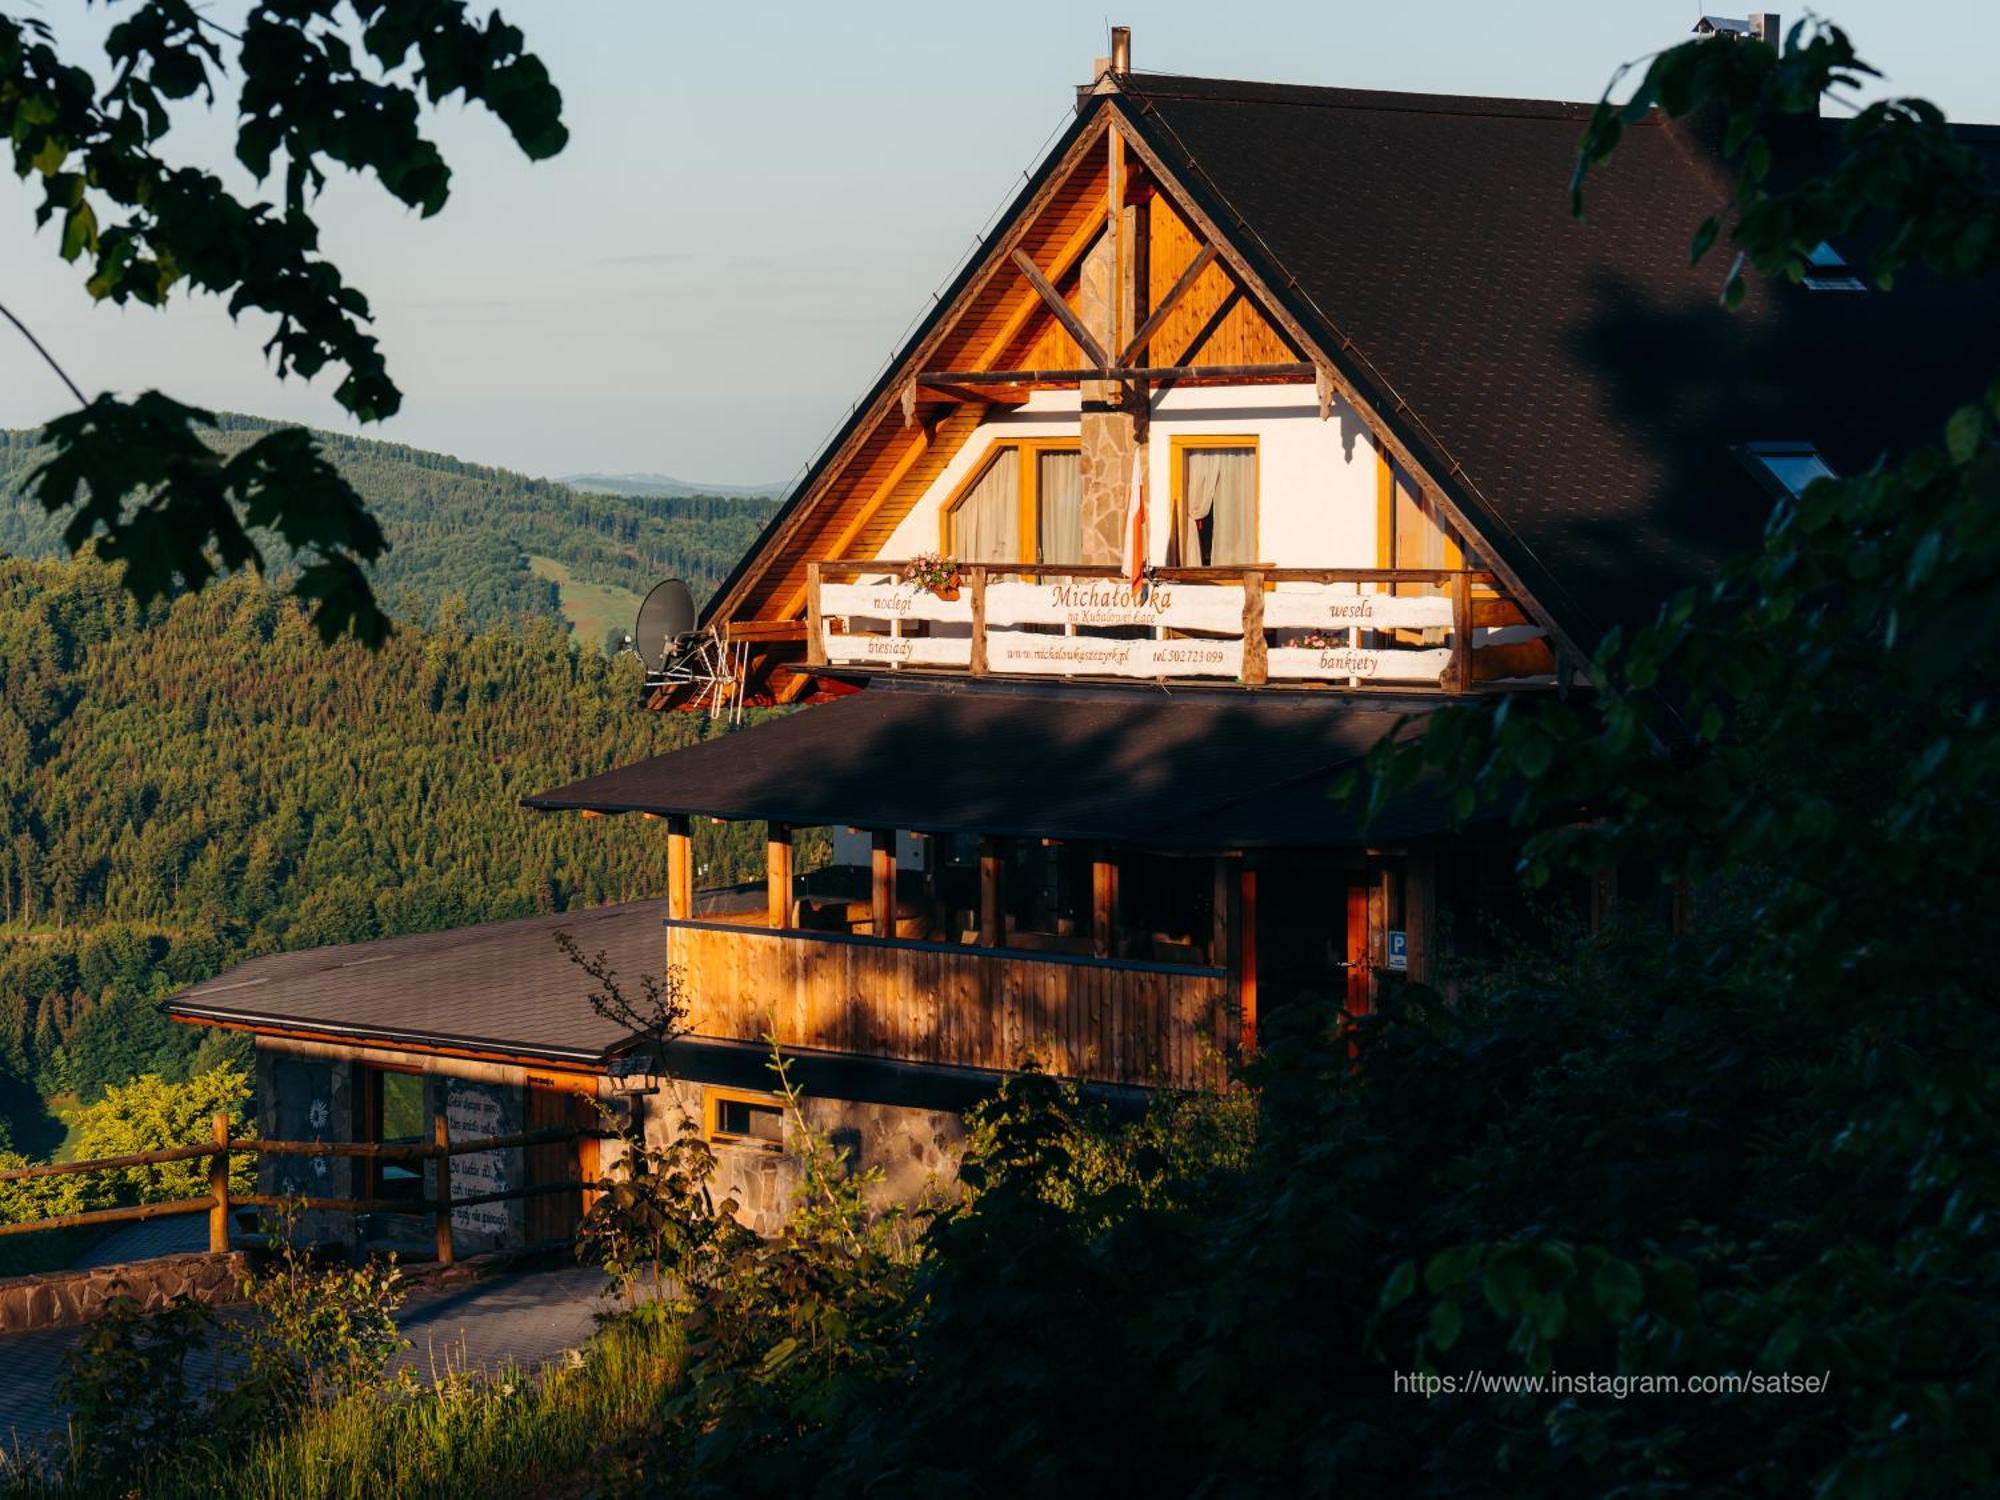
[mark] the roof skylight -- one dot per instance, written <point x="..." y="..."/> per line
<point x="1827" y="271"/>
<point x="1787" y="466"/>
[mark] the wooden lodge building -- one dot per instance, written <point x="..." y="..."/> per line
<point x="1266" y="420"/>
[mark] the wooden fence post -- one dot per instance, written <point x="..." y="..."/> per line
<point x="815" y="620"/>
<point x="441" y="1137"/>
<point x="218" y="1188"/>
<point x="1256" y="655"/>
<point x="1459" y="670"/>
<point x="978" y="659"/>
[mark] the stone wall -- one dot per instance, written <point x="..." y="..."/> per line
<point x="64" y="1299"/>
<point x="916" y="1149"/>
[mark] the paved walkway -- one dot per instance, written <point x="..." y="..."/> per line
<point x="525" y="1318"/>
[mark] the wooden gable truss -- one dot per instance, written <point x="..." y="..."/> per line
<point x="1011" y="325"/>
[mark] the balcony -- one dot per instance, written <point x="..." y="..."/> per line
<point x="1102" y="1020"/>
<point x="1386" y="628"/>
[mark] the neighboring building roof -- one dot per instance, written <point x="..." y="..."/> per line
<point x="503" y="987"/>
<point x="1215" y="770"/>
<point x="1576" y="384"/>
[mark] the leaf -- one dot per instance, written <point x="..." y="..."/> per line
<point x="1704" y="238"/>
<point x="1401" y="1283"/>
<point x="1964" y="433"/>
<point x="1446" y="1322"/>
<point x="1618" y="1289"/>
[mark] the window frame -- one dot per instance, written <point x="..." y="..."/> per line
<point x="1755" y="456"/>
<point x="1388" y="473"/>
<point x="1178" y="447"/>
<point x="714" y="1097"/>
<point x="1028" y="513"/>
<point x="415" y="1188"/>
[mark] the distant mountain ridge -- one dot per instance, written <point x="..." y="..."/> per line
<point x="666" y="487"/>
<point x="509" y="546"/>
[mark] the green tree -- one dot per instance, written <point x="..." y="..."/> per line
<point x="318" y="82"/>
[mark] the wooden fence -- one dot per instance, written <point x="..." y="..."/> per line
<point x="218" y="1200"/>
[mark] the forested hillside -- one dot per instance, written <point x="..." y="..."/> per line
<point x="187" y="786"/>
<point x="463" y="529"/>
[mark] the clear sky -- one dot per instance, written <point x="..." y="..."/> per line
<point x="758" y="198"/>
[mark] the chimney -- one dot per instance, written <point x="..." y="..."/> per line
<point x="1121" y="47"/>
<point x="1764" y="26"/>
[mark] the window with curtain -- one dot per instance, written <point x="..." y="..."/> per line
<point x="985" y="525"/>
<point x="1058" y="506"/>
<point x="1218" y="507"/>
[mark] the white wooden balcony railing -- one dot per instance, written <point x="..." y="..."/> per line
<point x="1431" y="628"/>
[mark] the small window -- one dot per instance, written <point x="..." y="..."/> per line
<point x="1826" y="271"/>
<point x="1790" y="467"/>
<point x="745" y="1120"/>
<point x="396" y="1118"/>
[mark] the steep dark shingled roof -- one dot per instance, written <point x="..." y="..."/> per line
<point x="1198" y="770"/>
<point x="1577" y="385"/>
<point x="503" y="986"/>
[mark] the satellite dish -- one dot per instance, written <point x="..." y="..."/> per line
<point x="666" y="616"/>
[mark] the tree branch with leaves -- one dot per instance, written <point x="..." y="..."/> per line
<point x="319" y="83"/>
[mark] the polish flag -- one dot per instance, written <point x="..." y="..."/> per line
<point x="1135" y="520"/>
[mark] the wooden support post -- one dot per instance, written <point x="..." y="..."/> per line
<point x="1420" y="912"/>
<point x="992" y="893"/>
<point x="680" y="868"/>
<point x="815" y="629"/>
<point x="218" y="1188"/>
<point x="882" y="869"/>
<point x="447" y="1252"/>
<point x="1256" y="658"/>
<point x="1458" y="672"/>
<point x="1246" y="955"/>
<point x="979" y="621"/>
<point x="1103" y="904"/>
<point x="778" y="875"/>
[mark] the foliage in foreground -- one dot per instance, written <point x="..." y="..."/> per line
<point x="315" y="83"/>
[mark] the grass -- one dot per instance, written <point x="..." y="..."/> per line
<point x="592" y="609"/>
<point x="565" y="1431"/>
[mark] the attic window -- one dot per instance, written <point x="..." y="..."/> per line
<point x="1826" y="271"/>
<point x="1787" y="467"/>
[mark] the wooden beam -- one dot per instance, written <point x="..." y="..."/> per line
<point x="964" y="396"/>
<point x="815" y="625"/>
<point x="1285" y="372"/>
<point x="680" y="868"/>
<point x="1420" y="912"/>
<point x="218" y="1188"/>
<point x="1246" y="955"/>
<point x="1458" y="671"/>
<point x="764" y="630"/>
<point x="992" y="892"/>
<point x="447" y="1252"/>
<point x="1067" y="256"/>
<point x="1168" y="303"/>
<point x="1064" y="313"/>
<point x="1256" y="650"/>
<point x="778" y="876"/>
<point x="1103" y="904"/>
<point x="882" y="881"/>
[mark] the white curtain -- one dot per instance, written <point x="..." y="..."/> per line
<point x="1059" y="507"/>
<point x="986" y="524"/>
<point x="1219" y="487"/>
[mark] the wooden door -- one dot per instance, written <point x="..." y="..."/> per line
<point x="555" y="1216"/>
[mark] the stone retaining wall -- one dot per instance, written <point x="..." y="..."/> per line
<point x="64" y="1299"/>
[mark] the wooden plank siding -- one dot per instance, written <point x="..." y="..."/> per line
<point x="990" y="312"/>
<point x="1109" y="1022"/>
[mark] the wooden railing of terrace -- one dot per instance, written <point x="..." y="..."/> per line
<point x="1103" y="1020"/>
<point x="219" y="1200"/>
<point x="1397" y="628"/>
